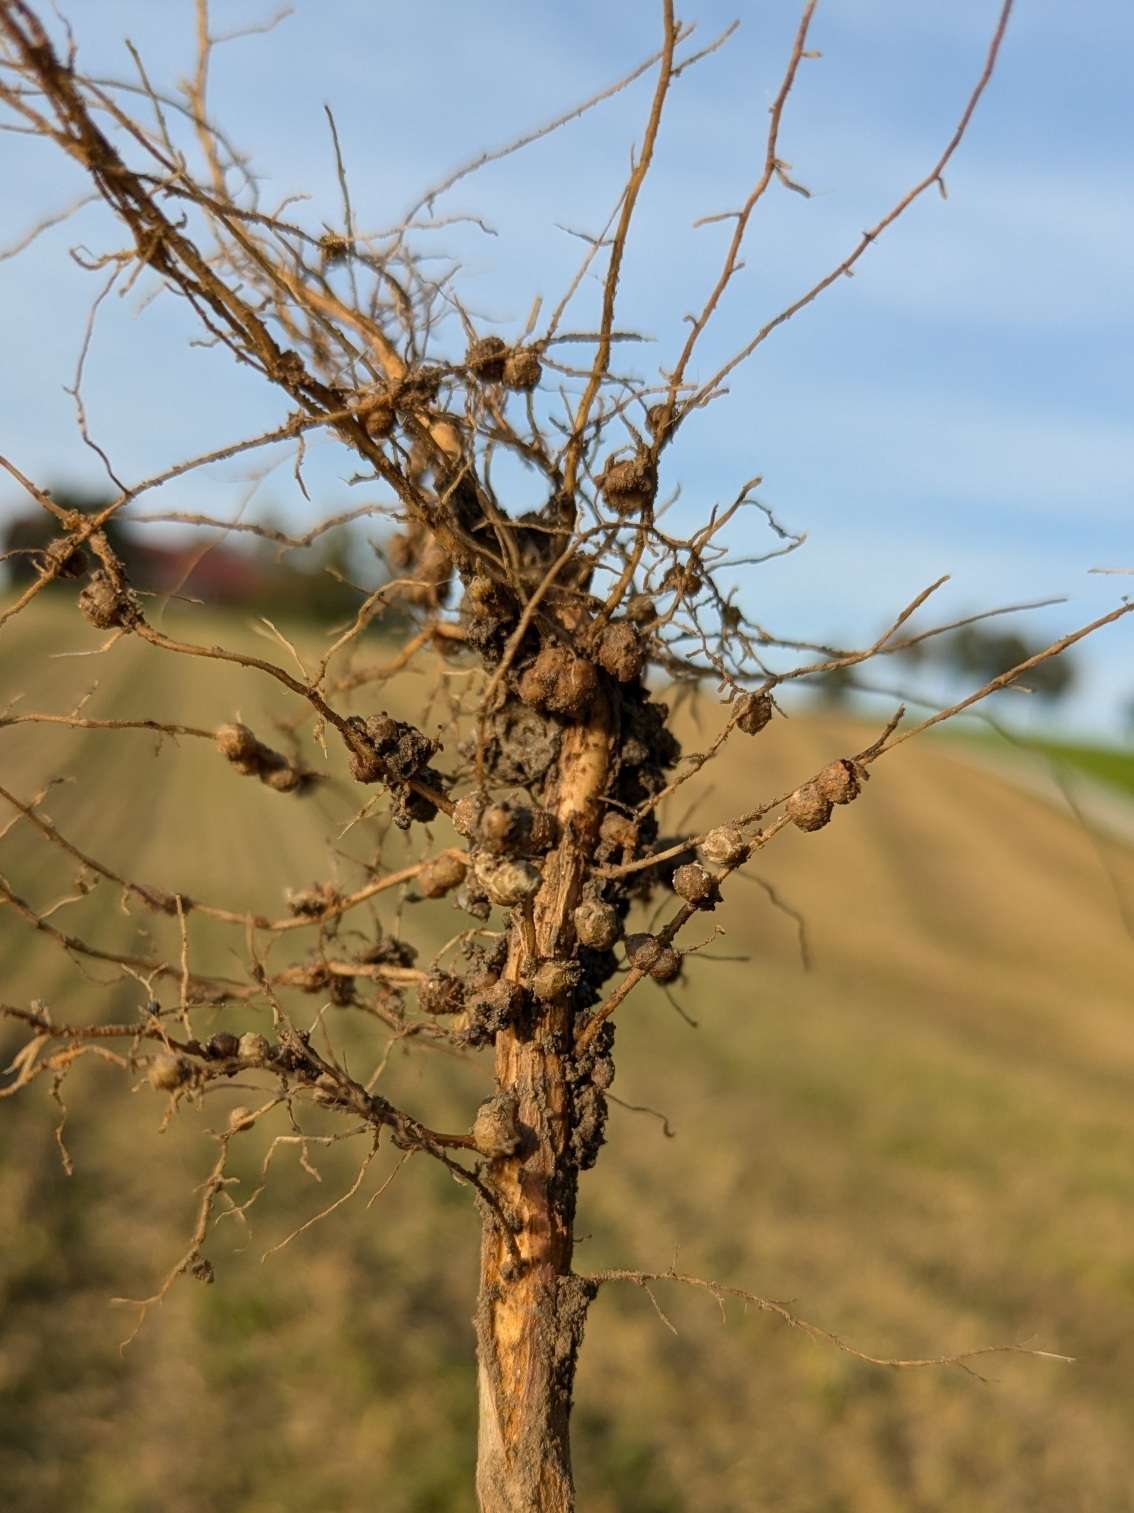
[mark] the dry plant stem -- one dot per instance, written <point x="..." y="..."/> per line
<point x="618" y="247"/>
<point x="886" y="742"/>
<point x="720" y="1292"/>
<point x="846" y="267"/>
<point x="307" y="691"/>
<point x="167" y="903"/>
<point x="743" y="216"/>
<point x="546" y="628"/>
<point x="530" y="1317"/>
<point x="77" y="722"/>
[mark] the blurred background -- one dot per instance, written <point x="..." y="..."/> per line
<point x="905" y="1106"/>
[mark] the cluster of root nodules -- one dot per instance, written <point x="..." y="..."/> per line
<point x="572" y="666"/>
<point x="547" y="623"/>
<point x="251" y="758"/>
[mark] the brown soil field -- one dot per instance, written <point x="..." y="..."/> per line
<point x="924" y="1141"/>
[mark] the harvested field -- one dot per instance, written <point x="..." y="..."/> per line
<point x="925" y="1142"/>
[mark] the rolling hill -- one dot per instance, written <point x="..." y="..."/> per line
<point x="923" y="1137"/>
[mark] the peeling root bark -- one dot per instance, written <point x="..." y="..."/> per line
<point x="530" y="1317"/>
<point x="528" y="1342"/>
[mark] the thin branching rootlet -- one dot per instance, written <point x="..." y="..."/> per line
<point x="531" y="784"/>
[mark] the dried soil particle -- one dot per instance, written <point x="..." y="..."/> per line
<point x="646" y="738"/>
<point x="310" y="978"/>
<point x="588" y="1126"/>
<point x="313" y="901"/>
<point x="523" y="745"/>
<point x="496" y="1008"/>
<point x="409" y="807"/>
<point x="441" y="993"/>
<point x="385" y="750"/>
<point x="341" y="990"/>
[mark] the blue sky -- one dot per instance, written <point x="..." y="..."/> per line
<point x="962" y="405"/>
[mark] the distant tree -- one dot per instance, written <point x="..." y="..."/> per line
<point x="984" y="653"/>
<point x="314" y="582"/>
<point x="834" y="686"/>
<point x="27" y="533"/>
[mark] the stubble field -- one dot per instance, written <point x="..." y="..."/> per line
<point x="925" y="1142"/>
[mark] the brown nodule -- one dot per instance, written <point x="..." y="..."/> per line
<point x="641" y="609"/>
<point x="314" y="901"/>
<point x="642" y="950"/>
<point x="515" y="830"/>
<point x="377" y="414"/>
<point x="507" y="882"/>
<point x="105" y="603"/>
<point x="648" y="954"/>
<point x="68" y="560"/>
<point x="597" y="924"/>
<point x="617" y="830"/>
<point x="723" y="847"/>
<point x="522" y="369"/>
<point x="620" y="651"/>
<point x="222" y="1046"/>
<point x="253" y="1047"/>
<point x="692" y="883"/>
<point x="808" y="809"/>
<point x="251" y="758"/>
<point x="629" y="486"/>
<point x="559" y="681"/>
<point x="167" y="1073"/>
<point x="841" y="781"/>
<point x="441" y="875"/>
<point x="659" y="419"/>
<point x="553" y="981"/>
<point x="487" y="359"/>
<point x="494" y="1129"/>
<point x="667" y="967"/>
<point x="753" y="711"/>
